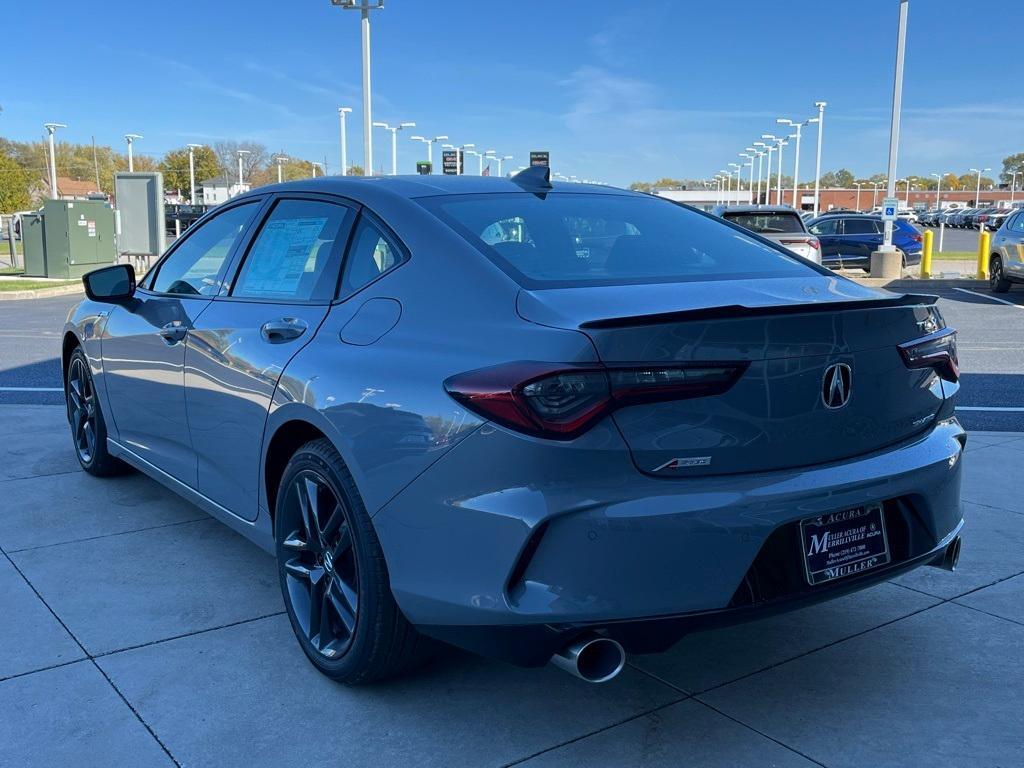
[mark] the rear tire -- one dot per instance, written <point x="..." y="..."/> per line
<point x="88" y="429"/>
<point x="996" y="279"/>
<point x="333" y="575"/>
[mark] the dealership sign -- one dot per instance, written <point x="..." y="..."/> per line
<point x="540" y="158"/>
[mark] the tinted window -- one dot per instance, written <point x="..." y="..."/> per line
<point x="563" y="239"/>
<point x="195" y="267"/>
<point x="294" y="257"/>
<point x="859" y="227"/>
<point x="767" y="223"/>
<point x="371" y="255"/>
<point x="825" y="227"/>
<point x="1018" y="223"/>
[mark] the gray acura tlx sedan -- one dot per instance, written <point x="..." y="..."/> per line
<point x="542" y="422"/>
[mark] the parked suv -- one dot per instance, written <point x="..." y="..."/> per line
<point x="847" y="240"/>
<point x="1006" y="263"/>
<point x="778" y="223"/>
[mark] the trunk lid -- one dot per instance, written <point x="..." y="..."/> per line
<point x="790" y="334"/>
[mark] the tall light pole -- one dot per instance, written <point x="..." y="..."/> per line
<point x="394" y="141"/>
<point x="459" y="153"/>
<point x="364" y="7"/>
<point x="1013" y="183"/>
<point x="241" y="153"/>
<point x="977" y="191"/>
<point x="314" y="163"/>
<point x="894" y="123"/>
<point x="938" y="188"/>
<point x="279" y="159"/>
<point x="192" y="172"/>
<point x="750" y="161"/>
<point x="768" y="174"/>
<point x="51" y="128"/>
<point x="736" y="168"/>
<point x="130" y="138"/>
<point x="778" y="189"/>
<point x="796" y="160"/>
<point x="874" y="195"/>
<point x="342" y="111"/>
<point x="501" y="159"/>
<point x="817" y="165"/>
<point x="761" y="149"/>
<point x="856" y="205"/>
<point x="430" y="147"/>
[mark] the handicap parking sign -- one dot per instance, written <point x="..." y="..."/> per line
<point x="889" y="207"/>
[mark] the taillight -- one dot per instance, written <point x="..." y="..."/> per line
<point x="562" y="401"/>
<point x="936" y="350"/>
<point x="917" y="238"/>
<point x="810" y="241"/>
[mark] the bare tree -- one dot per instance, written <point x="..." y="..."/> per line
<point x="252" y="163"/>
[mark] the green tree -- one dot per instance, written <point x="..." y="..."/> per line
<point x="1011" y="164"/>
<point x="174" y="167"/>
<point x="14" y="185"/>
<point x="355" y="170"/>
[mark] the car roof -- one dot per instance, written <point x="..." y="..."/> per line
<point x="416" y="186"/>
<point x="723" y="209"/>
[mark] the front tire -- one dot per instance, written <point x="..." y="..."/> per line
<point x="996" y="279"/>
<point x="88" y="430"/>
<point x="333" y="576"/>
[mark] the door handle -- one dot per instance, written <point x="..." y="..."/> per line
<point x="283" y="329"/>
<point x="174" y="331"/>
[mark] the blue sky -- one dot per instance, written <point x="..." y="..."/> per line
<point x="617" y="91"/>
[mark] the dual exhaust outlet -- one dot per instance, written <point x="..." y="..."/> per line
<point x="598" y="659"/>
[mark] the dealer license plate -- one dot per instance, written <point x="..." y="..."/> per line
<point x="845" y="543"/>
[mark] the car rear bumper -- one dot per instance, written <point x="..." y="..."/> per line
<point x="547" y="542"/>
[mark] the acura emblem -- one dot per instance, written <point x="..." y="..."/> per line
<point x="835" y="385"/>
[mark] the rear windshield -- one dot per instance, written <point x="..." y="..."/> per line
<point x="564" y="239"/>
<point x="766" y="223"/>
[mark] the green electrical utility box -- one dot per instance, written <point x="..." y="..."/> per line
<point x="67" y="238"/>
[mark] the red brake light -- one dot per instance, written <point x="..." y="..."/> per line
<point x="917" y="238"/>
<point x="937" y="351"/>
<point x="560" y="402"/>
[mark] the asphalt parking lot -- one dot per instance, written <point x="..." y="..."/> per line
<point x="135" y="630"/>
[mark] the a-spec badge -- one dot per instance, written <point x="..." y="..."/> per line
<point x="684" y="462"/>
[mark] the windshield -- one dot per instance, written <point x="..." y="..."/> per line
<point x="562" y="240"/>
<point x="766" y="223"/>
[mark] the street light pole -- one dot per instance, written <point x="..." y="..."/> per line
<point x="364" y="7"/>
<point x="500" y="159"/>
<point x="796" y="161"/>
<point x="342" y="111"/>
<point x="130" y="138"/>
<point x="241" y="154"/>
<point x="778" y="188"/>
<point x="894" y="124"/>
<point x="938" y="188"/>
<point x="51" y="128"/>
<point x="279" y="159"/>
<point x="977" y="191"/>
<point x="857" y="204"/>
<point x="192" y="172"/>
<point x="1013" y="184"/>
<point x="760" y="167"/>
<point x="817" y="166"/>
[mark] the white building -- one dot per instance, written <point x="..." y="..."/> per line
<point x="219" y="190"/>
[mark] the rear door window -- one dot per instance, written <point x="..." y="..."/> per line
<point x="373" y="253"/>
<point x="767" y="223"/>
<point x="569" y="239"/>
<point x="859" y="227"/>
<point x="826" y="227"/>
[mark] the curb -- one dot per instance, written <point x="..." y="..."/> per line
<point x="41" y="293"/>
<point x="918" y="283"/>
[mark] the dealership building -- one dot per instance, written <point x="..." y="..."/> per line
<point x="864" y="199"/>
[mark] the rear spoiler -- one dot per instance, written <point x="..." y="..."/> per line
<point x="738" y="311"/>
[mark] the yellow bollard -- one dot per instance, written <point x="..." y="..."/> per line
<point x="926" y="254"/>
<point x="983" y="249"/>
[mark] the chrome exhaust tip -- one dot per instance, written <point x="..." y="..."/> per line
<point x="592" y="658"/>
<point x="952" y="555"/>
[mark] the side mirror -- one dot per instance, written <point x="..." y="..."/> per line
<point x="110" y="284"/>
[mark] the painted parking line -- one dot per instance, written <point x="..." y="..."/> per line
<point x="989" y="297"/>
<point x="31" y="389"/>
<point x="989" y="409"/>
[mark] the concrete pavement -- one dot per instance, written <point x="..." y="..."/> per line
<point x="136" y="631"/>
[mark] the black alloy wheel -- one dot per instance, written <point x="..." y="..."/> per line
<point x="996" y="279"/>
<point x="333" y="575"/>
<point x="320" y="569"/>
<point x="88" y="430"/>
<point x="82" y="409"/>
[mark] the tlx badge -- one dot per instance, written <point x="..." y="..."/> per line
<point x="684" y="463"/>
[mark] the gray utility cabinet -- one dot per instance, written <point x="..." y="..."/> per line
<point x="67" y="238"/>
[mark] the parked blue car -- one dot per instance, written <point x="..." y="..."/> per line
<point x="543" y="422"/>
<point x="848" y="239"/>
